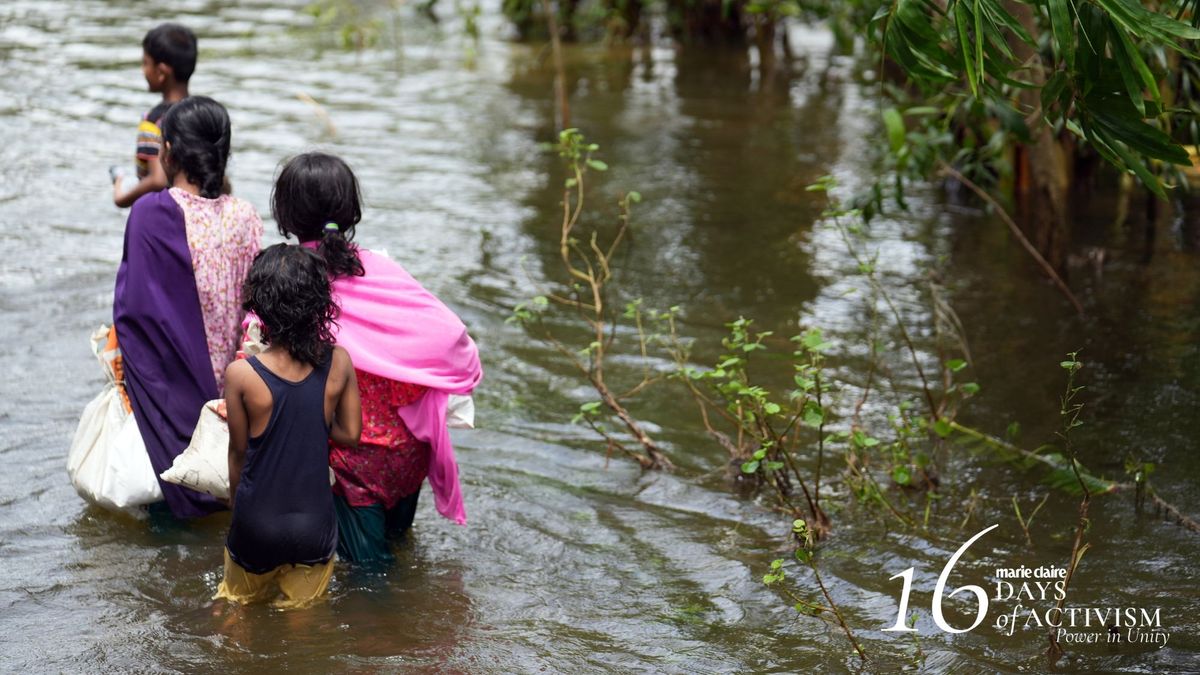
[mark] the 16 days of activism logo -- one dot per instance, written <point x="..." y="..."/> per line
<point x="1032" y="598"/>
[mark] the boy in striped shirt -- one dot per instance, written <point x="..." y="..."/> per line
<point x="168" y="59"/>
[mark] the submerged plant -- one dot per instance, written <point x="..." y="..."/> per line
<point x="1069" y="411"/>
<point x="804" y="540"/>
<point x="587" y="264"/>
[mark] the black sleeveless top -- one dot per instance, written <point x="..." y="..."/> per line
<point x="284" y="513"/>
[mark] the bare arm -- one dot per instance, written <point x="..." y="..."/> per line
<point x="347" y="415"/>
<point x="154" y="181"/>
<point x="239" y="423"/>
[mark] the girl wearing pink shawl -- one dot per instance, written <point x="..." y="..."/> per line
<point x="410" y="352"/>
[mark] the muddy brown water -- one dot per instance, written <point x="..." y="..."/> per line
<point x="571" y="562"/>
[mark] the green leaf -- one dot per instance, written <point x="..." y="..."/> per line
<point x="942" y="428"/>
<point x="1013" y="431"/>
<point x="902" y="475"/>
<point x="894" y="124"/>
<point x="1062" y="26"/>
<point x="969" y="388"/>
<point x="1001" y="16"/>
<point x="979" y="41"/>
<point x="750" y="467"/>
<point x="1139" y="169"/>
<point x="814" y="415"/>
<point x="813" y="340"/>
<point x="1121" y="54"/>
<point x="1145" y="23"/>
<point x="771" y="408"/>
<point x="961" y="17"/>
<point x="864" y="441"/>
<point x="1139" y="136"/>
<point x="1053" y="90"/>
<point x="1134" y="72"/>
<point x="956" y="365"/>
<point x="634" y="196"/>
<point x="597" y="165"/>
<point x="1061" y="476"/>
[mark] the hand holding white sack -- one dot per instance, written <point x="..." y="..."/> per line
<point x="204" y="465"/>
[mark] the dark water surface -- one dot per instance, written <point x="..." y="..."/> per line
<point x="570" y="562"/>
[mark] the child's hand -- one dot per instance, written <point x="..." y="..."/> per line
<point x="117" y="191"/>
<point x="222" y="410"/>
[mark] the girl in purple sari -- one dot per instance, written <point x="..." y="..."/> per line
<point x="177" y="305"/>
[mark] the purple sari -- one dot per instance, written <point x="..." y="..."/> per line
<point x="160" y="331"/>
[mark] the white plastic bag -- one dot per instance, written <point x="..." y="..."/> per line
<point x="204" y="465"/>
<point x="108" y="463"/>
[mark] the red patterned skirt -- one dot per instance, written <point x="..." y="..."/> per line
<point x="389" y="463"/>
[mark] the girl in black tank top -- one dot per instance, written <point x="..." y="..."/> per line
<point x="283" y="406"/>
<point x="284" y="509"/>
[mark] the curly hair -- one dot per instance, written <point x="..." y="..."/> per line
<point x="316" y="190"/>
<point x="288" y="288"/>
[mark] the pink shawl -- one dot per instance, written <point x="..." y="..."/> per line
<point x="394" y="328"/>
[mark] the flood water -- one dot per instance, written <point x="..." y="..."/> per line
<point x="571" y="562"/>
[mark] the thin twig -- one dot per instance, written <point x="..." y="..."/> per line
<point x="1016" y="232"/>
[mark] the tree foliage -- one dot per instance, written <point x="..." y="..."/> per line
<point x="1103" y="71"/>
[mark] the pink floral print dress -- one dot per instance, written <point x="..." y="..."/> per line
<point x="223" y="235"/>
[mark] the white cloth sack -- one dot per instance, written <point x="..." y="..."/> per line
<point x="108" y="463"/>
<point x="204" y="465"/>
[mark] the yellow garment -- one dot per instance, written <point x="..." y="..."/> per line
<point x="299" y="585"/>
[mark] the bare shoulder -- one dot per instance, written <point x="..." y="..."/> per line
<point x="237" y="372"/>
<point x="341" y="359"/>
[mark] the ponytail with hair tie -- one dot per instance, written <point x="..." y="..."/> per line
<point x="340" y="255"/>
<point x="316" y="198"/>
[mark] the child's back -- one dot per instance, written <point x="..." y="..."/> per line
<point x="283" y="405"/>
<point x="283" y="513"/>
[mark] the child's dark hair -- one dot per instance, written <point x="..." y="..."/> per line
<point x="174" y="45"/>
<point x="199" y="132"/>
<point x="288" y="288"/>
<point x="316" y="197"/>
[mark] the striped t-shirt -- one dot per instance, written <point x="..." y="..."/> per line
<point x="149" y="137"/>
